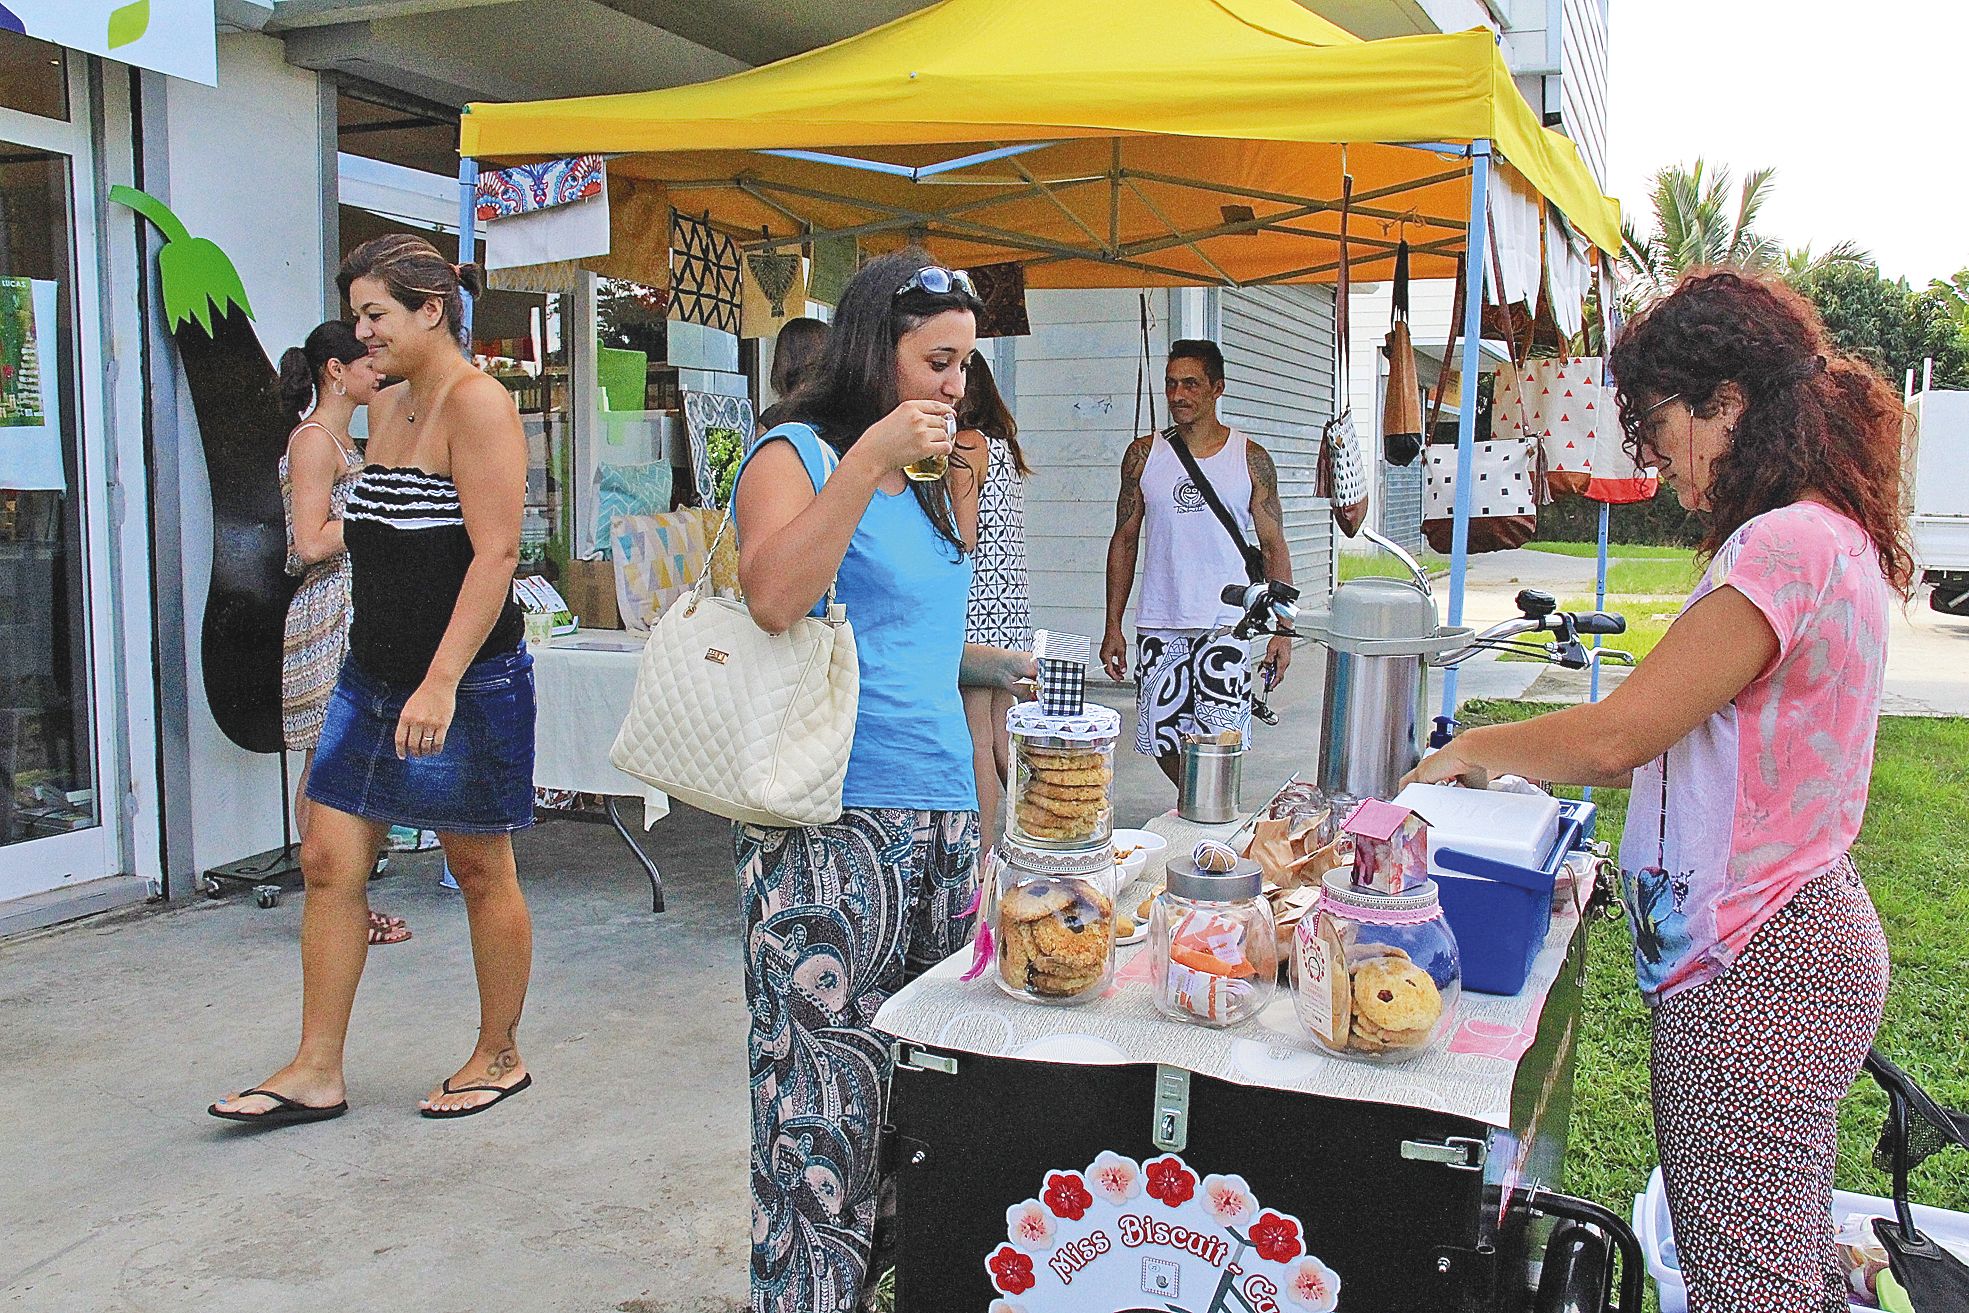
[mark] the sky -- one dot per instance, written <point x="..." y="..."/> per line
<point x="1859" y="107"/>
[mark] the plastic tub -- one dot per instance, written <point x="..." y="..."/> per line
<point x="1501" y="912"/>
<point x="1657" y="1236"/>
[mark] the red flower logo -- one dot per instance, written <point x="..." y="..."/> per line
<point x="1011" y="1271"/>
<point x="1066" y="1194"/>
<point x="1276" y="1238"/>
<point x="1171" y="1182"/>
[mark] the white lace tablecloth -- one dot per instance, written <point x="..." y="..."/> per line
<point x="1470" y="1075"/>
<point x="582" y="683"/>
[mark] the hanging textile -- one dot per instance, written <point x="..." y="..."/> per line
<point x="775" y="291"/>
<point x="1503" y="503"/>
<point x="1618" y="478"/>
<point x="1567" y="274"/>
<point x="835" y="262"/>
<point x="706" y="277"/>
<point x="1002" y="288"/>
<point x="1401" y="411"/>
<point x="549" y="213"/>
<point x="1517" y="225"/>
<point x="638" y="234"/>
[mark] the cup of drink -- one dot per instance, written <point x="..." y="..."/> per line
<point x="932" y="468"/>
<point x="539" y="628"/>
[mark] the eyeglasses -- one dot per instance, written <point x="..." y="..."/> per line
<point x="1637" y="429"/>
<point x="939" y="281"/>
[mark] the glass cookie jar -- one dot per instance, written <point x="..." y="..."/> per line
<point x="1052" y="922"/>
<point x="1376" y="977"/>
<point x="1213" y="956"/>
<point x="1062" y="777"/>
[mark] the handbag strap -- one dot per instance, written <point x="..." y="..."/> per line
<point x="828" y="460"/>
<point x="1254" y="560"/>
<point x="1449" y="351"/>
<point x="1343" y="288"/>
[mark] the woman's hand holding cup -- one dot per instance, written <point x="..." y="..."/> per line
<point x="918" y="434"/>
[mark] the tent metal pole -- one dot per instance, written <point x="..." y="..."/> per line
<point x="1599" y="604"/>
<point x="1466" y="419"/>
<point x="468" y="225"/>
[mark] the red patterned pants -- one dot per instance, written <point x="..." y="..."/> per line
<point x="1748" y="1070"/>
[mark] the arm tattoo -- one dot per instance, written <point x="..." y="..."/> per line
<point x="1267" y="515"/>
<point x="1128" y="505"/>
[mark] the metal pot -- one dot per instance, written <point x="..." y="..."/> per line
<point x="1379" y="634"/>
<point x="1212" y="776"/>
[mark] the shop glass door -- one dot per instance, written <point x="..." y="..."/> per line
<point x="51" y="815"/>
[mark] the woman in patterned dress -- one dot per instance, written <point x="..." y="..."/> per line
<point x="1000" y="611"/>
<point x="322" y="382"/>
<point x="838" y="917"/>
<point x="1747" y="738"/>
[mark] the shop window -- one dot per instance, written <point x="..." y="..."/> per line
<point x="33" y="76"/>
<point x="47" y="757"/>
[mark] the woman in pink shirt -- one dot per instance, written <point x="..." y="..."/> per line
<point x="1747" y="739"/>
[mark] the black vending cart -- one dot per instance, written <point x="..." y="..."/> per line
<point x="1104" y="1159"/>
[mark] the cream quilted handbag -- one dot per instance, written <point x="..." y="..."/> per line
<point x="741" y="723"/>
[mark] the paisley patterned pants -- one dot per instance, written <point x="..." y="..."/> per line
<point x="1748" y="1072"/>
<point x="837" y="918"/>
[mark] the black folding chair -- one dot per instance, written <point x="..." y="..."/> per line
<point x="1916" y="1129"/>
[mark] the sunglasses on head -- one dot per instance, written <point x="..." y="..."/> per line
<point x="939" y="281"/>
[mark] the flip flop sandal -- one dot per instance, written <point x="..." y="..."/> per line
<point x="503" y="1091"/>
<point x="285" y="1112"/>
<point x="387" y="929"/>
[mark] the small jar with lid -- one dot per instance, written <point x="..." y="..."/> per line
<point x="1213" y="956"/>
<point x="1376" y="977"/>
<point x="1062" y="776"/>
<point x="1052" y="922"/>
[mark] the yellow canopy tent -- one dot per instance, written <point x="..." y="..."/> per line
<point x="1101" y="143"/>
<point x="1145" y="142"/>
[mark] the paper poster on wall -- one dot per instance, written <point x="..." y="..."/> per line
<point x="178" y="37"/>
<point x="30" y="386"/>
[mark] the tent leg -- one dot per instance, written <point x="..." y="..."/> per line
<point x="1466" y="422"/>
<point x="468" y="224"/>
<point x="1599" y="604"/>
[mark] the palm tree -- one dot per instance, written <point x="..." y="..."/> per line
<point x="1694" y="227"/>
<point x="1801" y="263"/>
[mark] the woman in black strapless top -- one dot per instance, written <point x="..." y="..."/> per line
<point x="431" y="723"/>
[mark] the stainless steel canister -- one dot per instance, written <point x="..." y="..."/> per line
<point x="1212" y="776"/>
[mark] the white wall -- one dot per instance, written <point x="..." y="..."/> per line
<point x="1073" y="394"/>
<point x="245" y="171"/>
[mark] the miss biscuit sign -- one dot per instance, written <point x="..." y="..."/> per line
<point x="1122" y="1236"/>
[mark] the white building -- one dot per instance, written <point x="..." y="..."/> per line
<point x="302" y="128"/>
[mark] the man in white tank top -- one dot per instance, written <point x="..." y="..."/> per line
<point x="1190" y="680"/>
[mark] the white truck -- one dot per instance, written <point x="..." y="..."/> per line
<point x="1940" y="519"/>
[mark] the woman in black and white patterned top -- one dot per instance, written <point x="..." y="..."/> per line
<point x="431" y="722"/>
<point x="1000" y="613"/>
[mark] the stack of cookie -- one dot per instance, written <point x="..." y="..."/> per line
<point x="1054" y="917"/>
<point x="1055" y="934"/>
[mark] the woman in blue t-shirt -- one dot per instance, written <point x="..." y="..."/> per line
<point x="838" y="917"/>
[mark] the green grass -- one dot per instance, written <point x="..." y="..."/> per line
<point x="1910" y="853"/>
<point x="1617" y="551"/>
<point x="1653" y="576"/>
<point x="1380" y="565"/>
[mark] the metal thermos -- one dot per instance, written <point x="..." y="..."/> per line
<point x="1379" y="635"/>
<point x="1212" y="776"/>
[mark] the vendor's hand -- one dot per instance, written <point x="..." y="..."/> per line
<point x="913" y="431"/>
<point x="1114" y="655"/>
<point x="1278" y="655"/>
<point x="1448" y="766"/>
<point x="426" y="720"/>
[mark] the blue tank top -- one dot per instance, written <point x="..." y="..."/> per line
<point x="906" y="589"/>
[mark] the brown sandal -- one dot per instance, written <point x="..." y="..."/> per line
<point x="387" y="929"/>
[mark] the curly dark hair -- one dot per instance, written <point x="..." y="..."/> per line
<point x="1815" y="422"/>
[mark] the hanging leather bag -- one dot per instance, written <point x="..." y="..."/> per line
<point x="1401" y="409"/>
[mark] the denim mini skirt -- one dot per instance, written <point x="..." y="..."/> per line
<point x="481" y="783"/>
